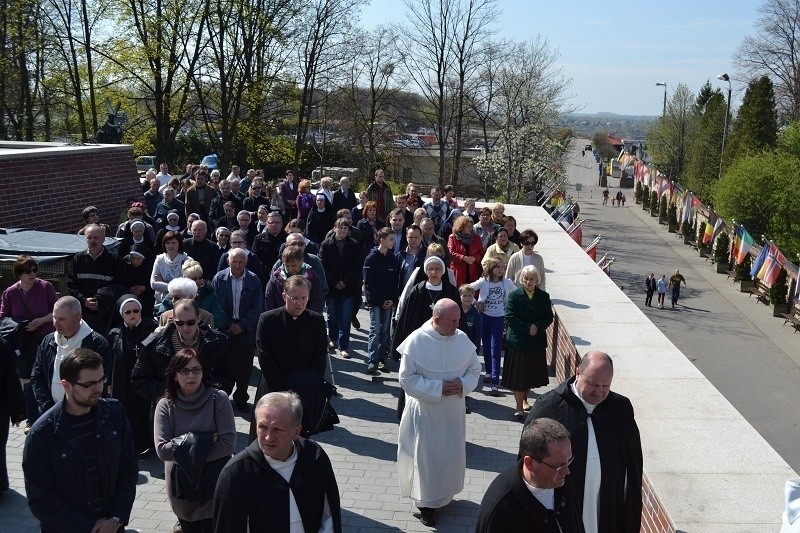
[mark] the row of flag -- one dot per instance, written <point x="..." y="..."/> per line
<point x="567" y="219"/>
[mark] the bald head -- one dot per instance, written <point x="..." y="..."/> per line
<point x="446" y="315"/>
<point x="593" y="377"/>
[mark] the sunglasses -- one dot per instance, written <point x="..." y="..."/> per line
<point x="32" y="270"/>
<point x="133" y="311"/>
<point x="528" y="243"/>
<point x="181" y="323"/>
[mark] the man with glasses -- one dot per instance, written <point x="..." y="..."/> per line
<point x="607" y="472"/>
<point x="185" y="331"/>
<point x="266" y="244"/>
<point x="79" y="460"/>
<point x="71" y="333"/>
<point x="536" y="490"/>
<point x="202" y="249"/>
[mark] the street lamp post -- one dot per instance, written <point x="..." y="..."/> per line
<point x="725" y="77"/>
<point x="663" y="84"/>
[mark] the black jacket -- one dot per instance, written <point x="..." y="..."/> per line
<point x="508" y="504"/>
<point x="620" y="450"/>
<point x="319" y="224"/>
<point x="148" y="374"/>
<point x="42" y="374"/>
<point x="56" y="480"/>
<point x="381" y="275"/>
<point x="206" y="252"/>
<point x="250" y="493"/>
<point x="12" y="404"/>
<point x="345" y="266"/>
<point x="265" y="247"/>
<point x="340" y="202"/>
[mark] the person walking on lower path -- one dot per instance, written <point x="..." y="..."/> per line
<point x="675" y="283"/>
<point x="605" y="196"/>
<point x="661" y="286"/>
<point x="650" y="288"/>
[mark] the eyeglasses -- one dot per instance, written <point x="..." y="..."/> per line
<point x="133" y="311"/>
<point x="297" y="298"/>
<point x="196" y="371"/>
<point x="558" y="469"/>
<point x="91" y="384"/>
<point x="255" y="188"/>
<point x="237" y="242"/>
<point x="32" y="270"/>
<point x="528" y="243"/>
<point x="181" y="323"/>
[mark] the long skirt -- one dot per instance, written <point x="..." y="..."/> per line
<point x="524" y="370"/>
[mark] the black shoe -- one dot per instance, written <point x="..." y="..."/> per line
<point x="372" y="369"/>
<point x="428" y="516"/>
<point x="382" y="367"/>
<point x="356" y="323"/>
<point x="243" y="407"/>
<point x="487" y="378"/>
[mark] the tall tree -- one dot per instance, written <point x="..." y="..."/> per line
<point x="756" y="125"/>
<point x="774" y="50"/>
<point x="670" y="140"/>
<point x="704" y="160"/>
<point x="442" y="37"/>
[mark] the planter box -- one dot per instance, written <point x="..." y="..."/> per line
<point x="654" y="213"/>
<point x="779" y="309"/>
<point x="722" y="268"/>
<point x="705" y="251"/>
<point x="673" y="229"/>
<point x="746" y="285"/>
<point x="687" y="239"/>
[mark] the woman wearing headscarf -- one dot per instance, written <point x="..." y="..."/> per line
<point x="139" y="267"/>
<point x="171" y="223"/>
<point x="417" y="308"/>
<point x="126" y="343"/>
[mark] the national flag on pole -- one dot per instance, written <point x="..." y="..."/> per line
<point x="709" y="229"/>
<point x="759" y="261"/>
<point x="797" y="287"/>
<point x="687" y="208"/>
<point x="772" y="265"/>
<point x="718" y="225"/>
<point x="576" y="232"/>
<point x="737" y="238"/>
<point x="591" y="250"/>
<point x="744" y="247"/>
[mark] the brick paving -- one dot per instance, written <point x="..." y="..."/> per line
<point x="362" y="448"/>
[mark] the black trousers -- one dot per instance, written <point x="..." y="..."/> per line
<point x="242" y="363"/>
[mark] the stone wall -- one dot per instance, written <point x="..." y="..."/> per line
<point x="45" y="186"/>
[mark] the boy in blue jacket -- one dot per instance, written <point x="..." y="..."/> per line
<point x="381" y="271"/>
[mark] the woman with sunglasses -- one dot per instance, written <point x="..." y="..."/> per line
<point x="193" y="413"/>
<point x="126" y="344"/>
<point x="525" y="257"/>
<point x="29" y="301"/>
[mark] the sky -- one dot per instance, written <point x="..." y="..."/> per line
<point x="616" y="53"/>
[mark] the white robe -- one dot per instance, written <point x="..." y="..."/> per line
<point x="431" y="450"/>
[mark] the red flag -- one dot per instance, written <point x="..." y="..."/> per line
<point x="577" y="234"/>
<point x="592" y="251"/>
<point x="773" y="267"/>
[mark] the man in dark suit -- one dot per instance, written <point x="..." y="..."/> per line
<point x="202" y="250"/>
<point x="344" y="198"/>
<point x="650" y="288"/>
<point x="241" y="295"/>
<point x="292" y="347"/>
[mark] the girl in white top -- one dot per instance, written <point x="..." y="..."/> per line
<point x="493" y="289"/>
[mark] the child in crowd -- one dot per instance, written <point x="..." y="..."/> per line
<point x="471" y="325"/>
<point x="493" y="290"/>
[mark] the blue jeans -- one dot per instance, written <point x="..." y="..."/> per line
<point x="676" y="293"/>
<point x="340" y="314"/>
<point x="378" y="343"/>
<point x="491" y="339"/>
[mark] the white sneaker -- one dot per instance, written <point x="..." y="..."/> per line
<point x="343" y="354"/>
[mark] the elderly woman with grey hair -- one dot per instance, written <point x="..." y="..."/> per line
<point x="179" y="289"/>
<point x="528" y="315"/>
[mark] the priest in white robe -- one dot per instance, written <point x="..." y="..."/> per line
<point x="439" y="368"/>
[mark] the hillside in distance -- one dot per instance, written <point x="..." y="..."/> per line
<point x="624" y="126"/>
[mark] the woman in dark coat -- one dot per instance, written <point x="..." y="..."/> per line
<point x="12" y="405"/>
<point x="417" y="308"/>
<point x="528" y="315"/>
<point x="126" y="343"/>
<point x="139" y="267"/>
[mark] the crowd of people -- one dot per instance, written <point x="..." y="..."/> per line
<point x="210" y="272"/>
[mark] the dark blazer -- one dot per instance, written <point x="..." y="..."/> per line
<point x="340" y="201"/>
<point x="345" y="266"/>
<point x="521" y="313"/>
<point x="251" y="304"/>
<point x="650" y="284"/>
<point x="206" y="253"/>
<point x="508" y="503"/>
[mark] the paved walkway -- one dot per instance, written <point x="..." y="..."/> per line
<point x="748" y="355"/>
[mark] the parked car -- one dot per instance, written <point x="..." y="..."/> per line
<point x="210" y="161"/>
<point x="145" y="163"/>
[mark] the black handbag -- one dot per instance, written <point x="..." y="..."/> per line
<point x="192" y="479"/>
